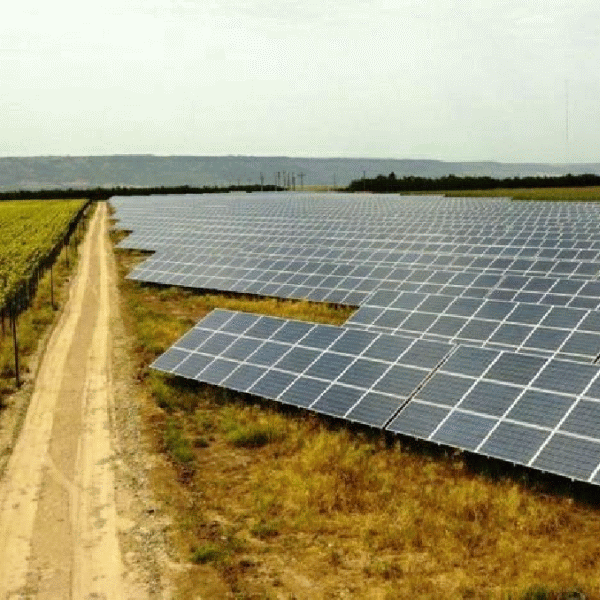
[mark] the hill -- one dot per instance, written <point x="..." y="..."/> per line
<point x="150" y="170"/>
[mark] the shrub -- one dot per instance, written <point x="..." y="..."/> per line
<point x="177" y="445"/>
<point x="206" y="553"/>
<point x="254" y="435"/>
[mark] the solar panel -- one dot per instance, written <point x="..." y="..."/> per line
<point x="542" y="408"/>
<point x="573" y="457"/>
<point x="565" y="376"/>
<point x="490" y="398"/>
<point x="515" y="368"/>
<point x="514" y="442"/>
<point x="478" y="324"/>
<point x="445" y="389"/>
<point x="463" y="430"/>
<point x="337" y="400"/>
<point x="374" y="409"/>
<point x="418" y="420"/>
<point x="239" y="234"/>
<point x="470" y="361"/>
<point x="514" y="421"/>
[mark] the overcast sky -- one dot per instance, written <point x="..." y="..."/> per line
<point x="441" y="79"/>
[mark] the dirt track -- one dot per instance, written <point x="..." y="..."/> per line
<point x="59" y="528"/>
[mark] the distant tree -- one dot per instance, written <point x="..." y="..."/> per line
<point x="411" y="183"/>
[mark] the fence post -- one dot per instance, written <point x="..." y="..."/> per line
<point x="15" y="342"/>
<point x="52" y="285"/>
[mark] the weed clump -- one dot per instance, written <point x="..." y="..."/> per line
<point x="177" y="444"/>
<point x="208" y="552"/>
<point x="254" y="435"/>
<point x="265" y="529"/>
<point x="541" y="592"/>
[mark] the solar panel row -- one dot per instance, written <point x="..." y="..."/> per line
<point x="315" y="280"/>
<point x="191" y="255"/>
<point x="357" y="375"/>
<point x="534" y="411"/>
<point x="477" y="326"/>
<point x="542" y="329"/>
<point x="354" y="258"/>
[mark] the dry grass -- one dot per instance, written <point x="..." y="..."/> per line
<point x="321" y="187"/>
<point x="575" y="194"/>
<point x="276" y="503"/>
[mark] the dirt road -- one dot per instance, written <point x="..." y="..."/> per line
<point x="59" y="528"/>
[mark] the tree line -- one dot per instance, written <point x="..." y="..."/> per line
<point x="411" y="183"/>
<point x="103" y="193"/>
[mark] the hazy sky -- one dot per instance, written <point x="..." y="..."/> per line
<point x="442" y="79"/>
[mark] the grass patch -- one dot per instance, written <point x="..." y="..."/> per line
<point x="252" y="429"/>
<point x="575" y="194"/>
<point x="177" y="444"/>
<point x="265" y="529"/>
<point x="281" y="503"/>
<point x="207" y="553"/>
<point x="254" y="435"/>
<point x="383" y="568"/>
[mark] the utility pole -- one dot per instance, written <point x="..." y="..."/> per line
<point x="301" y="175"/>
<point x="567" y="120"/>
<point x="262" y="182"/>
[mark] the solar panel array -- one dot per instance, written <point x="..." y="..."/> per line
<point x="357" y="375"/>
<point x="339" y="250"/>
<point x="544" y="329"/>
<point x="478" y="324"/>
<point x="534" y="411"/>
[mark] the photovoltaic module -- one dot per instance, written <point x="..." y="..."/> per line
<point x="477" y="324"/>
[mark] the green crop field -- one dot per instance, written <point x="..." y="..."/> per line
<point x="29" y="231"/>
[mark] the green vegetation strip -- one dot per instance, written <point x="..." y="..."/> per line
<point x="104" y="193"/>
<point x="410" y="183"/>
<point x="566" y="194"/>
<point x="29" y="232"/>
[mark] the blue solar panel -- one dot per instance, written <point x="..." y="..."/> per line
<point x="477" y="327"/>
